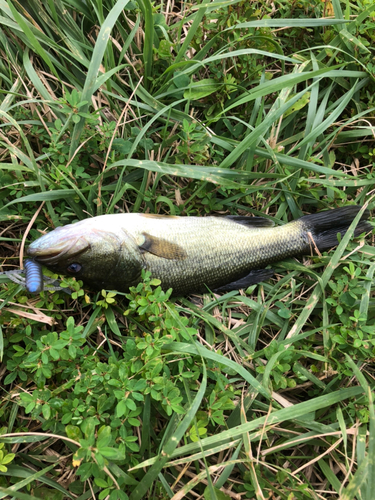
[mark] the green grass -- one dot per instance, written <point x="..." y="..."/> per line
<point x="212" y="108"/>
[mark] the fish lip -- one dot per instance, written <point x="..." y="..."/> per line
<point x="52" y="256"/>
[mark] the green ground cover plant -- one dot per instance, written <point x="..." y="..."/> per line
<point x="222" y="107"/>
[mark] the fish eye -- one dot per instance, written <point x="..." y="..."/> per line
<point x="74" y="268"/>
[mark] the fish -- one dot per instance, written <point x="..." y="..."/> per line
<point x="187" y="254"/>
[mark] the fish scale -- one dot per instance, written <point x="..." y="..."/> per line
<point x="188" y="254"/>
<point x="223" y="260"/>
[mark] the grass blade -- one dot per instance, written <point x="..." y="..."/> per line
<point x="96" y="60"/>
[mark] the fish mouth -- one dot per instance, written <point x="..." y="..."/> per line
<point x="50" y="250"/>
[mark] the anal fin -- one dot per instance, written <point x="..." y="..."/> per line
<point x="254" y="276"/>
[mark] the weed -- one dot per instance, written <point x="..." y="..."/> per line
<point x="261" y="108"/>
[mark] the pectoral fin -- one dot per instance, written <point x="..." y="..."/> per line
<point x="255" y="276"/>
<point x="162" y="248"/>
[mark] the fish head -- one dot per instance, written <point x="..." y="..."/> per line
<point x="100" y="258"/>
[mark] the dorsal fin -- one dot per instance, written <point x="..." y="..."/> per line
<point x="244" y="220"/>
<point x="162" y="248"/>
<point x="158" y="216"/>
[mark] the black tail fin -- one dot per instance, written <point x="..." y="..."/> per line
<point x="324" y="226"/>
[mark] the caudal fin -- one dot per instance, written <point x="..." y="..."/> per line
<point x="324" y="226"/>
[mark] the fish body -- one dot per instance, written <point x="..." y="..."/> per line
<point x="188" y="254"/>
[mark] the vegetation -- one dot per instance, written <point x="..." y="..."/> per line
<point x="230" y="107"/>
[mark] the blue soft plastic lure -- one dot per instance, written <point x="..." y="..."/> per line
<point x="33" y="276"/>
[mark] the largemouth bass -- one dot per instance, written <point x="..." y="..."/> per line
<point x="188" y="254"/>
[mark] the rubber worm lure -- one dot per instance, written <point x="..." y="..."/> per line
<point x="33" y="276"/>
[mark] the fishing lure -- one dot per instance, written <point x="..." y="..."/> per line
<point x="33" y="276"/>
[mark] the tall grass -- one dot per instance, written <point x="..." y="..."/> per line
<point x="225" y="108"/>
